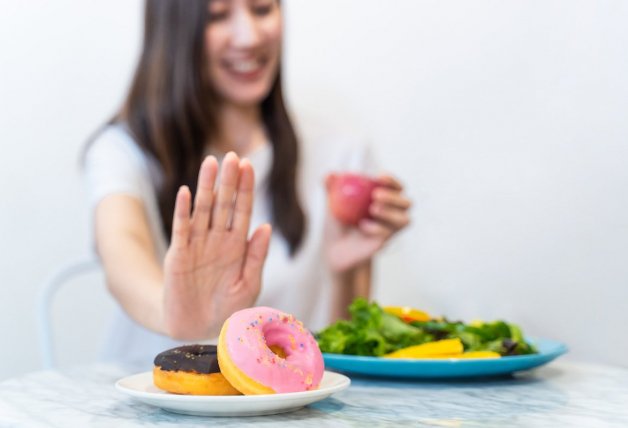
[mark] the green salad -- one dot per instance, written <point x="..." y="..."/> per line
<point x="372" y="331"/>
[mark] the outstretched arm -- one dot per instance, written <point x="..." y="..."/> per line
<point x="211" y="268"/>
<point x="126" y="248"/>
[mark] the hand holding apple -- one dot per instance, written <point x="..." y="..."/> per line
<point x="369" y="211"/>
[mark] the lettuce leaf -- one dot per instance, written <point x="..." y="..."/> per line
<point x="370" y="332"/>
<point x="373" y="332"/>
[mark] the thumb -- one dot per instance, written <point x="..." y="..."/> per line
<point x="256" y="254"/>
<point x="329" y="180"/>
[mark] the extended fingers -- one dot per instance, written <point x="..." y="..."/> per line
<point x="244" y="199"/>
<point x="181" y="219"/>
<point x="223" y="207"/>
<point x="204" y="197"/>
<point x="256" y="255"/>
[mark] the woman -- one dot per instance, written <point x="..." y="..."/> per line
<point x="172" y="226"/>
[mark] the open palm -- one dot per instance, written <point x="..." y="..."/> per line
<point x="212" y="268"/>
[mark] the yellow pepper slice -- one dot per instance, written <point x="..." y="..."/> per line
<point x="407" y="314"/>
<point x="444" y="348"/>
<point x="476" y="323"/>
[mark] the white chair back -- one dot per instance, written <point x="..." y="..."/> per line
<point x="79" y="269"/>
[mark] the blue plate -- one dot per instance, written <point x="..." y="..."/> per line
<point x="445" y="368"/>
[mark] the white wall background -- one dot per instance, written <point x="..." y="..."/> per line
<point x="506" y="120"/>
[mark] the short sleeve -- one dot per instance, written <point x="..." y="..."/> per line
<point x="350" y="154"/>
<point x="114" y="165"/>
<point x="326" y="150"/>
<point x="358" y="156"/>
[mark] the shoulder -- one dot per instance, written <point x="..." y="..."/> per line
<point x="114" y="144"/>
<point x="331" y="147"/>
<point x="115" y="164"/>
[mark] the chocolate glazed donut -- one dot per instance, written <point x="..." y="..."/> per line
<point x="191" y="369"/>
<point x="190" y="358"/>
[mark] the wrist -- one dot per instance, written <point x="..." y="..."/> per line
<point x="347" y="271"/>
<point x="350" y="284"/>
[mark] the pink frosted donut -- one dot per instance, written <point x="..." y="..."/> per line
<point x="294" y="363"/>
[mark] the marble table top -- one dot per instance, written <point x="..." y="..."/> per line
<point x="562" y="394"/>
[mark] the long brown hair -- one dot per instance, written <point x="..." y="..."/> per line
<point x="171" y="113"/>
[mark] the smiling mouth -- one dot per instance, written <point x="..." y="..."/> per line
<point x="245" y="68"/>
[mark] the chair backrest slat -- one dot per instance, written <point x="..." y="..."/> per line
<point x="65" y="274"/>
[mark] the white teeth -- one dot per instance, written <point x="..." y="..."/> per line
<point x="244" y="66"/>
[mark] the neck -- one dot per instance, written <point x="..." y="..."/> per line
<point x="241" y="129"/>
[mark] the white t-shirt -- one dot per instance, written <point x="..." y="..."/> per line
<point x="298" y="285"/>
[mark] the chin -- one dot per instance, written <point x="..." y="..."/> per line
<point x="243" y="93"/>
<point x="248" y="98"/>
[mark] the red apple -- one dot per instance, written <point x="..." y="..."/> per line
<point x="350" y="196"/>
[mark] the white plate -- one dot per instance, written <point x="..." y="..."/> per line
<point x="141" y="387"/>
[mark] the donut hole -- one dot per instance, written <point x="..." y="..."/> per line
<point x="278" y="338"/>
<point x="278" y="350"/>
